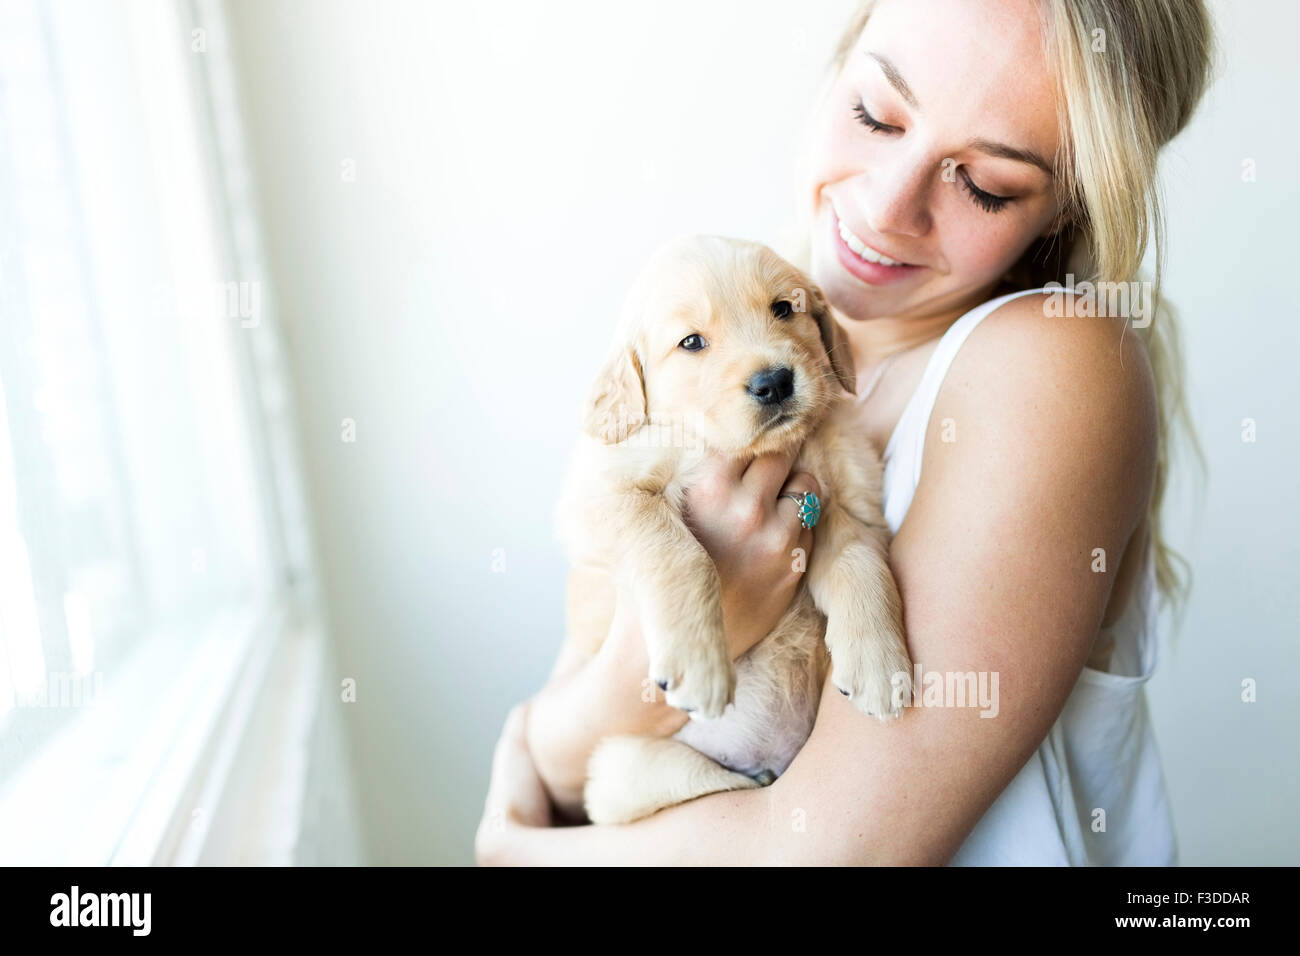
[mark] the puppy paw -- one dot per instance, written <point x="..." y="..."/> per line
<point x="632" y="777"/>
<point x="876" y="676"/>
<point x="699" y="679"/>
<point x="615" y="791"/>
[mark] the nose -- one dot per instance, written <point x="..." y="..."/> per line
<point x="896" y="197"/>
<point x="772" y="386"/>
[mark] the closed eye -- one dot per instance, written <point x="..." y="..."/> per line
<point x="869" y="121"/>
<point x="986" y="201"/>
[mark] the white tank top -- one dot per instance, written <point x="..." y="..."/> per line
<point x="1100" y="755"/>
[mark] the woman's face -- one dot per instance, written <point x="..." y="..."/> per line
<point x="924" y="151"/>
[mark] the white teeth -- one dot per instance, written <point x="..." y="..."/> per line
<point x="863" y="250"/>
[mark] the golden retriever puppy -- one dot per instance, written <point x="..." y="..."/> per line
<point x="723" y="345"/>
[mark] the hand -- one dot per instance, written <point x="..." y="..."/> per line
<point x="516" y="796"/>
<point x="752" y="536"/>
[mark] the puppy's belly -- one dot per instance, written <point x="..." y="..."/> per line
<point x="750" y="740"/>
<point x="778" y="687"/>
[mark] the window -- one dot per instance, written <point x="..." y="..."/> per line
<point x="152" y="540"/>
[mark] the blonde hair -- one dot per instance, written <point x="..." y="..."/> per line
<point x="1129" y="73"/>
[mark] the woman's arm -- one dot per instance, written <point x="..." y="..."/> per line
<point x="1053" y="458"/>
<point x="588" y="701"/>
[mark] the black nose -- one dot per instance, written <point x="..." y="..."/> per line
<point x="772" y="386"/>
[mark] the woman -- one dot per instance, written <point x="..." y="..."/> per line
<point x="965" y="153"/>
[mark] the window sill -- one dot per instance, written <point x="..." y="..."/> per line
<point x="159" y="768"/>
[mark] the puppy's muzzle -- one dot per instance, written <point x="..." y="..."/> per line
<point x="771" y="386"/>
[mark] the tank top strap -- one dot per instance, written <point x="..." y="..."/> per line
<point x="922" y="401"/>
<point x="903" y="453"/>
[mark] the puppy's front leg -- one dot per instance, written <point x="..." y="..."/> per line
<point x="679" y="596"/>
<point x="851" y="583"/>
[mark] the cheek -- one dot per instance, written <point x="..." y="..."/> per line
<point x="977" y="243"/>
<point x="666" y="385"/>
<point x="712" y="385"/>
<point x="682" y="385"/>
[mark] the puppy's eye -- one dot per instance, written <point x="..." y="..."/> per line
<point x="692" y="343"/>
<point x="782" y="309"/>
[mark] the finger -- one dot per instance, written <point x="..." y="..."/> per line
<point x="507" y="750"/>
<point x="766" y="473"/>
<point x="516" y="793"/>
<point x="729" y="467"/>
<point x="720" y="474"/>
<point x="788" y="509"/>
<point x="515" y="722"/>
<point x="801" y="482"/>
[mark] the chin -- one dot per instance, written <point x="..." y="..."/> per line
<point x="780" y="438"/>
<point x="753" y="439"/>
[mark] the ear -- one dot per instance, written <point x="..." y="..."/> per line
<point x="616" y="408"/>
<point x="834" y="340"/>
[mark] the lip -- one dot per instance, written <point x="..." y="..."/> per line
<point x="872" y="273"/>
<point x="781" y="418"/>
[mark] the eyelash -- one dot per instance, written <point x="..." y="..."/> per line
<point x="869" y="121"/>
<point x="986" y="201"/>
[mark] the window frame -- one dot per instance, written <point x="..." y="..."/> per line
<point x="175" y="753"/>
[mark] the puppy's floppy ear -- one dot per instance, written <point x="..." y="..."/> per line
<point x="617" y="406"/>
<point x="834" y="340"/>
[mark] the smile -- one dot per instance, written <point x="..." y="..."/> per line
<point x="868" y="265"/>
<point x="861" y="249"/>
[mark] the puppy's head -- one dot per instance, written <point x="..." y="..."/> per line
<point x="726" y="335"/>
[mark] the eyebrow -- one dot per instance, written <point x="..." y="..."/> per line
<point x="986" y="146"/>
<point x="896" y="79"/>
<point x="1011" y="152"/>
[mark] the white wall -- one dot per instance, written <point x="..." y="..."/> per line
<point x="1232" y="767"/>
<point x="514" y="164"/>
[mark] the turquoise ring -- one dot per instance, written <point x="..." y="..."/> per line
<point x="810" y="507"/>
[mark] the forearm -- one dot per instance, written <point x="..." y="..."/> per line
<point x="859" y="793"/>
<point x="809" y="817"/>
<point x="562" y="732"/>
<point x="602" y="697"/>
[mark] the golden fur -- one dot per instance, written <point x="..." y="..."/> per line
<point x="655" y="411"/>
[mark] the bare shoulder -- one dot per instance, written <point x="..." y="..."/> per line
<point x="1036" y="472"/>
<point x="1054" y="394"/>
<point x="1089" y="364"/>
